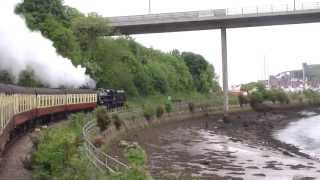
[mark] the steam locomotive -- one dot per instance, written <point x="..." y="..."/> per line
<point x="111" y="98"/>
<point x="22" y="107"/>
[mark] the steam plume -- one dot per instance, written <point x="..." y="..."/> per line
<point x="21" y="49"/>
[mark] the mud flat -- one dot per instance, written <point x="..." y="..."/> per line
<point x="241" y="147"/>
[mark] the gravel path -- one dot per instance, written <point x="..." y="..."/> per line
<point x="11" y="163"/>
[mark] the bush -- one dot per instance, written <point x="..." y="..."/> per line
<point x="160" y="111"/>
<point x="312" y="96"/>
<point x="103" y="119"/>
<point x="136" y="155"/>
<point x="271" y="95"/>
<point x="191" y="107"/>
<point x="59" y="156"/>
<point x="256" y="97"/>
<point x="148" y="112"/>
<point x="168" y="107"/>
<point x="282" y="97"/>
<point x="117" y="121"/>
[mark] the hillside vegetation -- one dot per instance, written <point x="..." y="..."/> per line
<point x="119" y="63"/>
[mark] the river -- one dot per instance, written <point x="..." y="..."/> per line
<point x="192" y="149"/>
<point x="304" y="134"/>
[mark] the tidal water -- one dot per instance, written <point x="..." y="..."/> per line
<point x="190" y="148"/>
<point x="304" y="134"/>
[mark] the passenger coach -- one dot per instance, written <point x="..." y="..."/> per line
<point x="21" y="106"/>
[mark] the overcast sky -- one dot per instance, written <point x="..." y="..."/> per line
<point x="283" y="47"/>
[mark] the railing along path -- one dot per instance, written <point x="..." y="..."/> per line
<point x="105" y="162"/>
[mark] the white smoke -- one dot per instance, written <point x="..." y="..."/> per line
<point x="21" y="49"/>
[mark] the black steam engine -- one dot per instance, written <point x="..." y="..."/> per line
<point x="111" y="98"/>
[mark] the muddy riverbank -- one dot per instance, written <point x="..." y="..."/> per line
<point x="240" y="147"/>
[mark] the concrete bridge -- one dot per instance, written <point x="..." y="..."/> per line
<point x="218" y="19"/>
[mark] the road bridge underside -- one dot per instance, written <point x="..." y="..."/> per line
<point x="218" y="23"/>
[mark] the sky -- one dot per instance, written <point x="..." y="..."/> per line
<point x="282" y="48"/>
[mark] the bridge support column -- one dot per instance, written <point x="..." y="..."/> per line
<point x="225" y="71"/>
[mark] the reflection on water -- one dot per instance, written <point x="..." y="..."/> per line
<point x="204" y="153"/>
<point x="304" y="134"/>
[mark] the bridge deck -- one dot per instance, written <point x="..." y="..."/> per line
<point x="217" y="18"/>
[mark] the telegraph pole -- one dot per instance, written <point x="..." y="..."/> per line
<point x="149" y="6"/>
<point x="294" y="5"/>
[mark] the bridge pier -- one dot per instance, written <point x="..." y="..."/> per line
<point x="225" y="71"/>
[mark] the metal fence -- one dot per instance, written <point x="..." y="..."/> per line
<point x="100" y="159"/>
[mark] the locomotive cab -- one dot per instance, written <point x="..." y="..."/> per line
<point x="111" y="98"/>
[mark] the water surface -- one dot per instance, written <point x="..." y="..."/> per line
<point x="304" y="134"/>
<point x="193" y="149"/>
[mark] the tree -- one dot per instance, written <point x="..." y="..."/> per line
<point x="54" y="21"/>
<point x="202" y="73"/>
<point x="6" y="77"/>
<point x="116" y="63"/>
<point x="36" y="11"/>
<point x="28" y="79"/>
<point x="89" y="29"/>
<point x="63" y="38"/>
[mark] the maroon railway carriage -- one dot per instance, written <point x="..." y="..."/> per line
<point x="22" y="107"/>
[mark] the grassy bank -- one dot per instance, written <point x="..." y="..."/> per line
<point x="156" y="100"/>
<point x="59" y="154"/>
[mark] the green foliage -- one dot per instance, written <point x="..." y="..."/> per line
<point x="281" y="97"/>
<point x="89" y="29"/>
<point x="63" y="38"/>
<point x="118" y="63"/>
<point x="57" y="154"/>
<point x="313" y="97"/>
<point x="54" y="21"/>
<point x="103" y="118"/>
<point x="134" y="173"/>
<point x="136" y="156"/>
<point x="256" y="97"/>
<point x="168" y="107"/>
<point x="271" y="95"/>
<point x="202" y="72"/>
<point x="28" y="79"/>
<point x="258" y="94"/>
<point x="160" y="111"/>
<point x="148" y="112"/>
<point x="6" y="78"/>
<point x="253" y="86"/>
<point x="296" y="97"/>
<point x="60" y="155"/>
<point x="118" y="123"/>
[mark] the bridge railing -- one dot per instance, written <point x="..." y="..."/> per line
<point x="198" y="15"/>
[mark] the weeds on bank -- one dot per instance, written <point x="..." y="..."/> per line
<point x="59" y="154"/>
